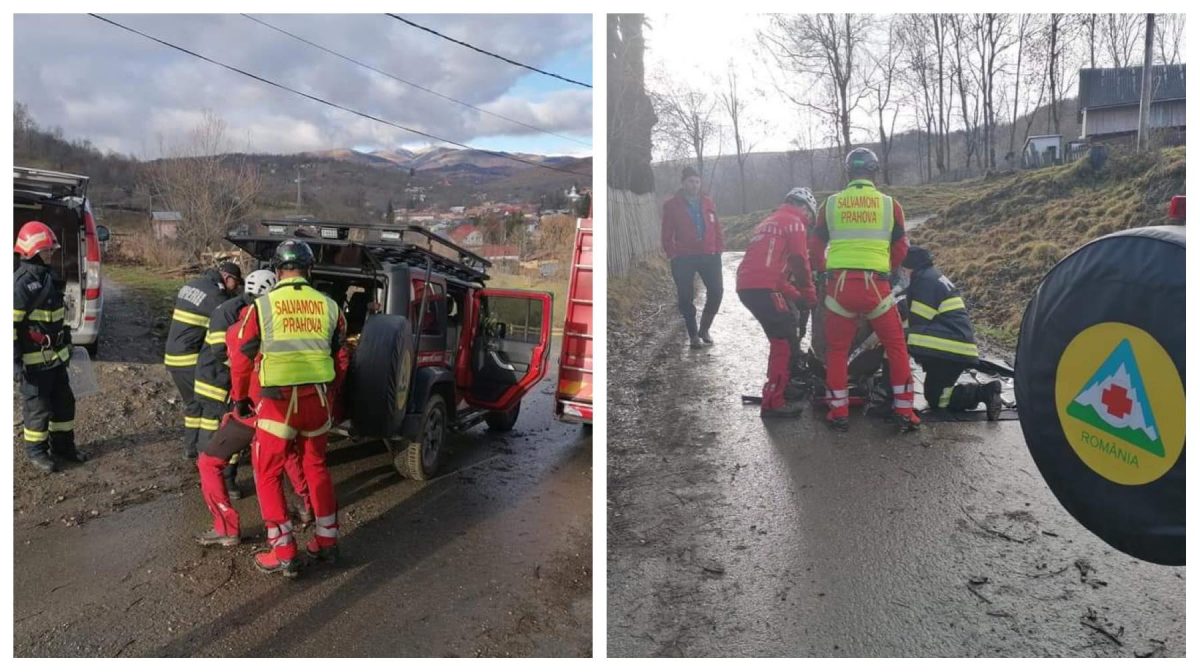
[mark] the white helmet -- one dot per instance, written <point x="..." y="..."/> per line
<point x="802" y="196"/>
<point x="260" y="282"/>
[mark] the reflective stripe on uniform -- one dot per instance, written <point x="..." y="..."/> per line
<point x="34" y="436"/>
<point x="190" y="422"/>
<point x="835" y="307"/>
<point x="210" y="424"/>
<point x="921" y="310"/>
<point x="944" y="345"/>
<point x="952" y="303"/>
<point x="187" y="317"/>
<point x="840" y="398"/>
<point x="901" y="389"/>
<point x="67" y="426"/>
<point x="211" y="391"/>
<point x="181" y="360"/>
<point x="47" y="315"/>
<point x="902" y="403"/>
<point x="18" y="315"/>
<point x="214" y="337"/>
<point x="46" y="357"/>
<point x="281" y="535"/>
<point x="276" y="428"/>
<point x="944" y="400"/>
<point x="327" y="526"/>
<point x="318" y="432"/>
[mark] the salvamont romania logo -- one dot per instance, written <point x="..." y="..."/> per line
<point x="1115" y="384"/>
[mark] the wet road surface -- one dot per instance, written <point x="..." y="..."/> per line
<point x="731" y="537"/>
<point x="491" y="558"/>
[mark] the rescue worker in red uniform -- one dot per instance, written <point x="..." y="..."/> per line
<point x="42" y="351"/>
<point x="864" y="230"/>
<point x="292" y="342"/>
<point x="777" y="255"/>
<point x="194" y="305"/>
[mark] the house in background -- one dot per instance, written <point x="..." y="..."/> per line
<point x="1042" y="150"/>
<point x="165" y="224"/>
<point x="1110" y="99"/>
<point x="467" y="235"/>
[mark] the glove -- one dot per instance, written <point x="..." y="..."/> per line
<point x="790" y="292"/>
<point x="243" y="408"/>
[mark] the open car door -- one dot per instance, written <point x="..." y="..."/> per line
<point x="509" y="341"/>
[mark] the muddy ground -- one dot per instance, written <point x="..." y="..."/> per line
<point x="493" y="558"/>
<point x="731" y="537"/>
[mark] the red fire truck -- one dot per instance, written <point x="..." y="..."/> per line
<point x="573" y="398"/>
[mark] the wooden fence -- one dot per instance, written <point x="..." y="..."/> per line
<point x="633" y="228"/>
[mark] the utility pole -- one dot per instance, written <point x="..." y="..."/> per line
<point x="1143" y="137"/>
<point x="298" y="180"/>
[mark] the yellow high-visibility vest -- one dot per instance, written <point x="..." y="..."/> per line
<point x="860" y="221"/>
<point x="296" y="324"/>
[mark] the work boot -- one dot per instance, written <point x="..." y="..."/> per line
<point x="268" y="563"/>
<point x="838" y="424"/>
<point x="231" y="486"/>
<point x="909" y="422"/>
<point x="706" y="337"/>
<point x="695" y="342"/>
<point x="190" y="453"/>
<point x="212" y="538"/>
<point x="71" y="455"/>
<point x="992" y="399"/>
<point x="44" y="462"/>
<point x="319" y="553"/>
<point x="785" y="411"/>
<point x="304" y="517"/>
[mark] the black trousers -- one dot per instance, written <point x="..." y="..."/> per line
<point x="683" y="271"/>
<point x="49" y="409"/>
<point x="941" y="385"/>
<point x="774" y="314"/>
<point x="185" y="382"/>
<point x="211" y="411"/>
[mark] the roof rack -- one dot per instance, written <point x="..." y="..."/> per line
<point x="411" y="244"/>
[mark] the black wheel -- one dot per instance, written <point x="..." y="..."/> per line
<point x="502" y="421"/>
<point x="380" y="374"/>
<point x="420" y="460"/>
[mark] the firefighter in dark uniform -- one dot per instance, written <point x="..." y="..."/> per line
<point x="942" y="340"/>
<point x="42" y="350"/>
<point x="212" y="366"/>
<point x="194" y="305"/>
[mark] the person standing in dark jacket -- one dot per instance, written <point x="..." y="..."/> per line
<point x="194" y="306"/>
<point x="41" y="352"/>
<point x="941" y="339"/>
<point x="693" y="241"/>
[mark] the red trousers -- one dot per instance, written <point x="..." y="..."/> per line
<point x="216" y="497"/>
<point x="859" y="294"/>
<point x="295" y="426"/>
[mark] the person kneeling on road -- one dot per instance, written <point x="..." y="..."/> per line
<point x="778" y="251"/>
<point x="941" y="339"/>
<point x="41" y="352"/>
<point x="293" y="341"/>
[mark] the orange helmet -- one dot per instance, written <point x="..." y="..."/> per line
<point x="33" y="238"/>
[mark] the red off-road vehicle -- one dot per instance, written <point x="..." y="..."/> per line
<point x="433" y="349"/>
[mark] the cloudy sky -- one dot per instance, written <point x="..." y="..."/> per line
<point x="123" y="92"/>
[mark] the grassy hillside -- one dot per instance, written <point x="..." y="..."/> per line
<point x="996" y="238"/>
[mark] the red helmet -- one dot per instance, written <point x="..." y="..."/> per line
<point x="33" y="238"/>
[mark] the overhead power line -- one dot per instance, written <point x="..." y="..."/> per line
<point x="414" y="84"/>
<point x="335" y="105"/>
<point x="488" y="53"/>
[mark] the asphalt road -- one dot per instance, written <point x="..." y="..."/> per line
<point x="731" y="537"/>
<point x="491" y="559"/>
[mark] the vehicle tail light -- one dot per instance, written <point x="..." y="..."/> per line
<point x="91" y="275"/>
<point x="1176" y="209"/>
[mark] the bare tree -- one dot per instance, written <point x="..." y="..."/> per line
<point x="822" y="47"/>
<point x="630" y="111"/>
<point x="970" y="122"/>
<point x="882" y="84"/>
<point x="1168" y="36"/>
<point x="1122" y="35"/>
<point x="211" y="188"/>
<point x="993" y="39"/>
<point x="1023" y="23"/>
<point x="734" y="106"/>
<point x="1089" y="24"/>
<point x="685" y="119"/>
<point x="1056" y="39"/>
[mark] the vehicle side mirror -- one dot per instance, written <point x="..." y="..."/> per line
<point x="102" y="233"/>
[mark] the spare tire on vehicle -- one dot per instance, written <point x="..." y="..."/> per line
<point x="1099" y="382"/>
<point x="380" y="376"/>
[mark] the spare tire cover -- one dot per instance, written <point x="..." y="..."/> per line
<point x="380" y="375"/>
<point x="1100" y="386"/>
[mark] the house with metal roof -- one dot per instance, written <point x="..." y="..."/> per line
<point x="1110" y="98"/>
